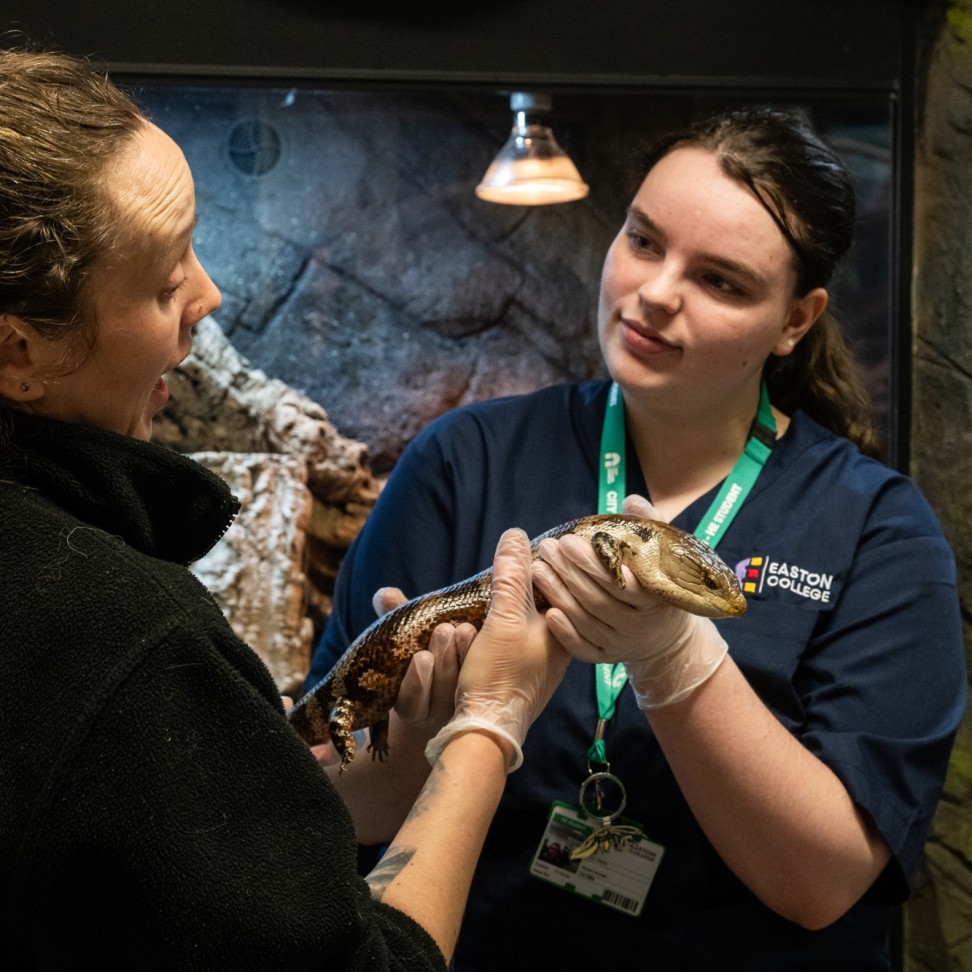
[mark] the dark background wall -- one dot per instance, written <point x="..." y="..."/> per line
<point x="859" y="44"/>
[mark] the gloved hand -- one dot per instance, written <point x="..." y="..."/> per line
<point x="513" y="665"/>
<point x="668" y="653"/>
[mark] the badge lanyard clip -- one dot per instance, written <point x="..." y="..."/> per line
<point x="594" y="799"/>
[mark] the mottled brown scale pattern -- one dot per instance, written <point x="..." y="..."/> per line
<point x="362" y="687"/>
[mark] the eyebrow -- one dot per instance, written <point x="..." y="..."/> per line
<point x="191" y="228"/>
<point x="723" y="263"/>
<point x="177" y="244"/>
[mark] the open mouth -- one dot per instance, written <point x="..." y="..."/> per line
<point x="160" y="393"/>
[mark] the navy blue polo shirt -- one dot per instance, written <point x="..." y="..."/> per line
<point x="852" y="638"/>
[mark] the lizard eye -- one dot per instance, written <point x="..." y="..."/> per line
<point x="710" y="583"/>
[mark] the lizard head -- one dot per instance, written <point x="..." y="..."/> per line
<point x="694" y="577"/>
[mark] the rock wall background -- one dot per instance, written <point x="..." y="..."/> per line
<point x="358" y="266"/>
<point x="939" y="915"/>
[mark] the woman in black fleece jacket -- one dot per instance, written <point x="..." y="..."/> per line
<point x="156" y="810"/>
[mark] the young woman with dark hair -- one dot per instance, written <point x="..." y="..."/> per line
<point x="781" y="769"/>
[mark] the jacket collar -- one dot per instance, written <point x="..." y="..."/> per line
<point x="159" y="502"/>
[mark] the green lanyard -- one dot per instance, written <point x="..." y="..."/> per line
<point x="610" y="486"/>
<point x="743" y="477"/>
<point x="610" y="679"/>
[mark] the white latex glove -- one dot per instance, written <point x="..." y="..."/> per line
<point x="513" y="665"/>
<point x="668" y="652"/>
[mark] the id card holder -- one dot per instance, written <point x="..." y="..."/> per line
<point x="617" y="874"/>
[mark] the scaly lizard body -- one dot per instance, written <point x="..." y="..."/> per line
<point x="364" y="683"/>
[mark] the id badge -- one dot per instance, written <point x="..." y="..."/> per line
<point x="618" y="874"/>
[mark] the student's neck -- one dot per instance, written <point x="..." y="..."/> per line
<point x="683" y="455"/>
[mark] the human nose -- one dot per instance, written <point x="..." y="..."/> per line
<point x="661" y="288"/>
<point x="205" y="300"/>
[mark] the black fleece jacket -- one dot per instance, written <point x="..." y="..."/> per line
<point x="156" y="810"/>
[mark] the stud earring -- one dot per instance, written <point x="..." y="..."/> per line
<point x="25" y="388"/>
<point x="790" y="342"/>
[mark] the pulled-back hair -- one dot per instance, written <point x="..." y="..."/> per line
<point x="61" y="123"/>
<point x="805" y="187"/>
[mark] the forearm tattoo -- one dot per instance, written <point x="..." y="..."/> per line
<point x="387" y="869"/>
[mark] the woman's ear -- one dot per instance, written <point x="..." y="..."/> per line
<point x="803" y="315"/>
<point x="20" y="379"/>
